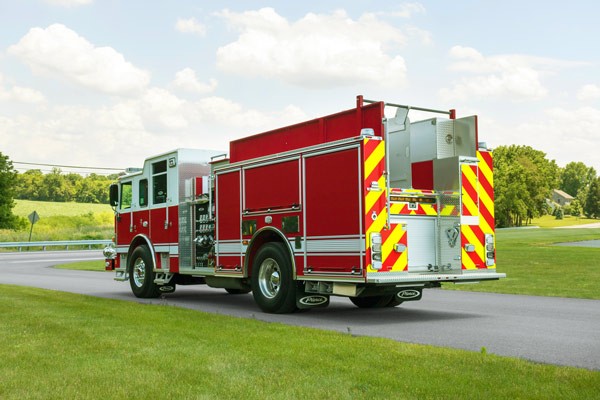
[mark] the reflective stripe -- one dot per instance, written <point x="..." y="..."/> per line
<point x="335" y="245"/>
<point x="478" y="210"/>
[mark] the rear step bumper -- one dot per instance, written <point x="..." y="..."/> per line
<point x="404" y="278"/>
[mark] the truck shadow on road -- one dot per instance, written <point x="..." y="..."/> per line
<point x="337" y="313"/>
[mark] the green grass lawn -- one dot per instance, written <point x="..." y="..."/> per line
<point x="534" y="266"/>
<point x="95" y="265"/>
<point x="549" y="221"/>
<point x="67" y="346"/>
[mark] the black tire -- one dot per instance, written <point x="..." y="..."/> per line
<point x="238" y="291"/>
<point x="372" y="301"/>
<point x="273" y="285"/>
<point x="141" y="274"/>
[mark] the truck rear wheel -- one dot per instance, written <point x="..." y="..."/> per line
<point x="141" y="274"/>
<point x="373" y="301"/>
<point x="273" y="285"/>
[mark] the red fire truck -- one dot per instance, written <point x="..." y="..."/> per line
<point x="354" y="204"/>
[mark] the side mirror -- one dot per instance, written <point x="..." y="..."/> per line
<point x="114" y="195"/>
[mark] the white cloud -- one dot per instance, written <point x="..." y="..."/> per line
<point x="58" y="51"/>
<point x="23" y="94"/>
<point x="407" y="10"/>
<point x="162" y="111"/>
<point x="512" y="76"/>
<point x="186" y="79"/>
<point x="317" y="50"/>
<point x="422" y="36"/>
<point x="20" y="94"/>
<point x="126" y="132"/>
<point x="565" y="135"/>
<point x="589" y="92"/>
<point x="190" y="25"/>
<point x="69" y="3"/>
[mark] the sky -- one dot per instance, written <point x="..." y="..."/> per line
<point x="108" y="83"/>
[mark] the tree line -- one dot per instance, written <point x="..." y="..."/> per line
<point x="53" y="186"/>
<point x="62" y="187"/>
<point x="523" y="183"/>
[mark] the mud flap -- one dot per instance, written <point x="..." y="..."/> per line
<point x="409" y="294"/>
<point x="167" y="288"/>
<point x="310" y="300"/>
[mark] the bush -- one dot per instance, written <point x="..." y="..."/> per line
<point x="559" y="213"/>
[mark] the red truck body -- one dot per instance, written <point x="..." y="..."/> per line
<point x="353" y="204"/>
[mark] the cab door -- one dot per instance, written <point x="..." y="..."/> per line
<point x="141" y="214"/>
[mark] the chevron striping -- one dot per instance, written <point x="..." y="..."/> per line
<point x="472" y="234"/>
<point x="373" y="196"/>
<point x="394" y="237"/>
<point x="374" y="158"/>
<point x="392" y="260"/>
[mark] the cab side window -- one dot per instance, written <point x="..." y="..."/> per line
<point x="126" y="195"/>
<point x="143" y="195"/>
<point x="159" y="182"/>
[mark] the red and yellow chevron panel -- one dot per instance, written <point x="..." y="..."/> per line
<point x="374" y="185"/>
<point x="410" y="203"/>
<point x="394" y="238"/>
<point x="477" y="200"/>
<point x="486" y="191"/>
<point x="473" y="236"/>
<point x="374" y="191"/>
<point x="395" y="259"/>
<point x="470" y="195"/>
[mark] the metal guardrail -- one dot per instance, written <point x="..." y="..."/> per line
<point x="57" y="243"/>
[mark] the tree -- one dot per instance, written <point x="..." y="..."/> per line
<point x="7" y="180"/>
<point x="509" y="189"/>
<point x="592" y="202"/>
<point x="56" y="187"/>
<point x="576" y="176"/>
<point x="523" y="179"/>
<point x="29" y="184"/>
<point x="575" y="208"/>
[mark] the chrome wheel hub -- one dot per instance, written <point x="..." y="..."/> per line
<point x="269" y="278"/>
<point x="139" y="272"/>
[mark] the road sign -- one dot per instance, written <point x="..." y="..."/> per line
<point x="34" y="217"/>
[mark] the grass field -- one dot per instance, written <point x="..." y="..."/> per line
<point x="62" y="221"/>
<point x="96" y="265"/>
<point x="50" y="209"/>
<point x="534" y="266"/>
<point x="548" y="221"/>
<point x="71" y="346"/>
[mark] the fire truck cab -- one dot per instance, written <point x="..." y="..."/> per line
<point x="354" y="204"/>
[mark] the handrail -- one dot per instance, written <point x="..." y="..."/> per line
<point x="431" y="110"/>
<point x="57" y="243"/>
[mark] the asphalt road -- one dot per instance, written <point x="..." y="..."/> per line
<point x="542" y="329"/>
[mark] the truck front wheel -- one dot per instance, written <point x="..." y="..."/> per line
<point x="141" y="274"/>
<point x="273" y="285"/>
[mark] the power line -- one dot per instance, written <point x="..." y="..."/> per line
<point x="68" y="166"/>
<point x="45" y="170"/>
